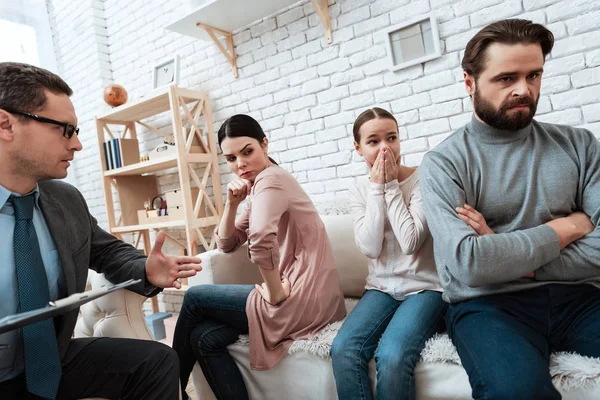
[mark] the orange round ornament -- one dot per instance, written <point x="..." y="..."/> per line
<point x="115" y="95"/>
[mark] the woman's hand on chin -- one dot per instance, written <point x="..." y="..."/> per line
<point x="238" y="190"/>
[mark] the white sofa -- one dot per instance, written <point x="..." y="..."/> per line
<point x="118" y="314"/>
<point x="306" y="372"/>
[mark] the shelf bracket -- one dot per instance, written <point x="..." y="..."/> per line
<point x="322" y="10"/>
<point x="228" y="52"/>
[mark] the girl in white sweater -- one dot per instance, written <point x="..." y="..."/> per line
<point x="402" y="306"/>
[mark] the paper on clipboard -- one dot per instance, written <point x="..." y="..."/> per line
<point x="61" y="306"/>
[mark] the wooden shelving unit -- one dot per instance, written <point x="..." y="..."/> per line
<point x="135" y="183"/>
<point x="222" y="17"/>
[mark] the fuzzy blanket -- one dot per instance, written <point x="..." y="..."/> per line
<point x="569" y="371"/>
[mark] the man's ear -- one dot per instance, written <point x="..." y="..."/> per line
<point x="470" y="83"/>
<point x="357" y="148"/>
<point x="6" y="126"/>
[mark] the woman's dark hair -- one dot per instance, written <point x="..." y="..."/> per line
<point x="368" y="115"/>
<point x="242" y="125"/>
<point x="508" y="31"/>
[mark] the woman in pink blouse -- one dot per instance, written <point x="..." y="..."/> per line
<point x="287" y="241"/>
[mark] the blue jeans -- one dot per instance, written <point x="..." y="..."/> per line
<point x="403" y="326"/>
<point x="212" y="317"/>
<point x="505" y="340"/>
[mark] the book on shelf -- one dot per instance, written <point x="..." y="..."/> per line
<point x="106" y="160"/>
<point x="120" y="153"/>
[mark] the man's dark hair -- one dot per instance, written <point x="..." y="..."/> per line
<point x="508" y="31"/>
<point x="22" y="86"/>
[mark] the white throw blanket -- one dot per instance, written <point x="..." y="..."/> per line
<point x="569" y="371"/>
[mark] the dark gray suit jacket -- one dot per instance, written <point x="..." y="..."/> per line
<point x="82" y="244"/>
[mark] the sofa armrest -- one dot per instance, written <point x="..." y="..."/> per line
<point x="226" y="268"/>
<point x="118" y="314"/>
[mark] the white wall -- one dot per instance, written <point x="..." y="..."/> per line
<point x="81" y="46"/>
<point x="306" y="93"/>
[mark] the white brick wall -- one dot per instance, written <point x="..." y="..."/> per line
<point x="306" y="93"/>
<point x="83" y="60"/>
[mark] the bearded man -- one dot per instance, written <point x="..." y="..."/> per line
<point x="513" y="206"/>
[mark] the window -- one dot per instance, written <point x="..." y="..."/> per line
<point x="24" y="48"/>
<point x="413" y="42"/>
<point x="26" y="23"/>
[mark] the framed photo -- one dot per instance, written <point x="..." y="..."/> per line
<point x="166" y="72"/>
<point x="413" y="42"/>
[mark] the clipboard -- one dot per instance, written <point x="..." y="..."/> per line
<point x="60" y="306"/>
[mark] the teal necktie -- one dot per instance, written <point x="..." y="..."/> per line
<point x="42" y="361"/>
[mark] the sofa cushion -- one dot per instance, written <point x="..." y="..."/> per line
<point x="236" y="268"/>
<point x="303" y="376"/>
<point x="118" y="314"/>
<point x="351" y="264"/>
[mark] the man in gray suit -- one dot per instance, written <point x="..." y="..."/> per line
<point x="49" y="240"/>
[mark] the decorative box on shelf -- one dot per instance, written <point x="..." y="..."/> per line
<point x="174" y="208"/>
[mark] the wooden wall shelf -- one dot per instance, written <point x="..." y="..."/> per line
<point x="157" y="225"/>
<point x="205" y="222"/>
<point x="145" y="167"/>
<point x="222" y="17"/>
<point x="148" y="167"/>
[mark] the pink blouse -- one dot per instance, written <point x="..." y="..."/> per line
<point x="284" y="229"/>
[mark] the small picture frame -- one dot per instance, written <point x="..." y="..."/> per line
<point x="413" y="42"/>
<point x="166" y="72"/>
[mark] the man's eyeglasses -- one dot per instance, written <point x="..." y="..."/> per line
<point x="68" y="129"/>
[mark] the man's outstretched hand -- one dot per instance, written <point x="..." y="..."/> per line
<point x="165" y="271"/>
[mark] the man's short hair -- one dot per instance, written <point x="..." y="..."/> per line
<point x="508" y="31"/>
<point x="22" y="86"/>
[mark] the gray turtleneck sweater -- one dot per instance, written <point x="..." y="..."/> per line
<point x="518" y="180"/>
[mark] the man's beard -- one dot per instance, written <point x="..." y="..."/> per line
<point x="500" y="118"/>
